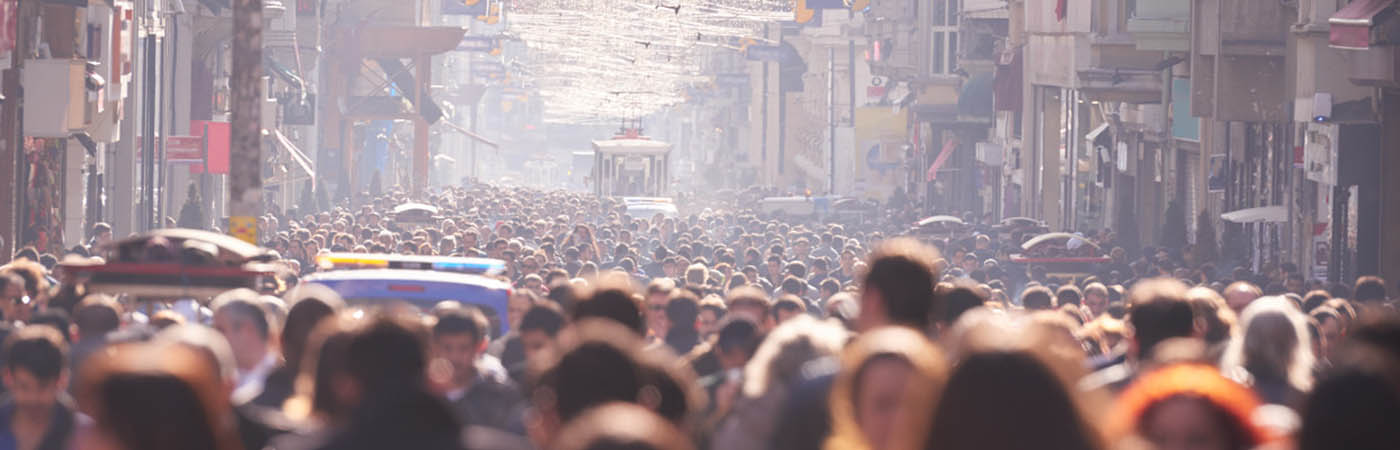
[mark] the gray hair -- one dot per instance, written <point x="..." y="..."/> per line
<point x="247" y="304"/>
<point x="1266" y="324"/>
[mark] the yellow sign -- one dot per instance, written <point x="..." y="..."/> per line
<point x="244" y="228"/>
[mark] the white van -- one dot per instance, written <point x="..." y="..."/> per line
<point x="648" y="207"/>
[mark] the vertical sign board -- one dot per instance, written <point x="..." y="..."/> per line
<point x="1320" y="153"/>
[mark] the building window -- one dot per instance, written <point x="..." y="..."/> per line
<point x="943" y="39"/>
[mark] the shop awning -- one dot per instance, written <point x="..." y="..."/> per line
<point x="943" y="155"/>
<point x="1351" y="26"/>
<point x="474" y="136"/>
<point x="1264" y="214"/>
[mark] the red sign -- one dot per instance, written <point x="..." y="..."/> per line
<point x="219" y="135"/>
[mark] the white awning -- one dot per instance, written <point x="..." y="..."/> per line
<point x="1265" y="214"/>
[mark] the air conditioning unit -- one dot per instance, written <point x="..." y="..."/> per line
<point x="57" y="97"/>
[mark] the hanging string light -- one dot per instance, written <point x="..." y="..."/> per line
<point x="595" y="61"/>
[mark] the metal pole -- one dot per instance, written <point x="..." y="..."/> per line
<point x="782" y="113"/>
<point x="245" y="85"/>
<point x="763" y="148"/>
<point x="831" y="116"/>
<point x="475" y="105"/>
<point x="149" y="221"/>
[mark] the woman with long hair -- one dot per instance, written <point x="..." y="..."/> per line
<point x="1012" y="387"/>
<point x="1273" y="354"/>
<point x="885" y="374"/>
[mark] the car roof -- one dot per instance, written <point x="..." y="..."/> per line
<point x="401" y="275"/>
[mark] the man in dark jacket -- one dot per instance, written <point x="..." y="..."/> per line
<point x="36" y="414"/>
<point x="459" y="337"/>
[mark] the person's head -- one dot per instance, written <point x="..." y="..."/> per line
<point x="1275" y="344"/>
<point x="1369" y="289"/>
<point x="1068" y="295"/>
<point x="159" y="396"/>
<point x="712" y="310"/>
<point x="1356" y="399"/>
<point x="658" y="294"/>
<point x="1240" y="293"/>
<point x="1330" y="329"/>
<point x="459" y="337"/>
<point x="696" y="275"/>
<point x="539" y="327"/>
<point x="842" y="307"/>
<point x="1158" y="311"/>
<point x="959" y="299"/>
<point x="752" y="303"/>
<point x="96" y="316"/>
<point x="1315" y="299"/>
<point x="1215" y="320"/>
<point x="787" y="307"/>
<point x="621" y="426"/>
<point x="736" y="342"/>
<point x="386" y="356"/>
<point x="36" y="367"/>
<point x="779" y="361"/>
<point x="1188" y="406"/>
<point x="1038" y="298"/>
<point x="1004" y="399"/>
<point x="682" y="313"/>
<point x="898" y="290"/>
<point x="615" y="302"/>
<point x="101" y="234"/>
<point x="311" y="304"/>
<point x="243" y="321"/>
<point x="1096" y="298"/>
<point x="886" y="376"/>
<point x="794" y="286"/>
<point x="598" y="362"/>
<point x="520" y="301"/>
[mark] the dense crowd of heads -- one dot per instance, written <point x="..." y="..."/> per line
<point x="718" y="329"/>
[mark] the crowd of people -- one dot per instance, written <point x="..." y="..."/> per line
<point x="717" y="329"/>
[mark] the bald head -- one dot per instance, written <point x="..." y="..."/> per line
<point x="1240" y="294"/>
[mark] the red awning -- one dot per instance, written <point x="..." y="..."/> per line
<point x="943" y="155"/>
<point x="1351" y="26"/>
